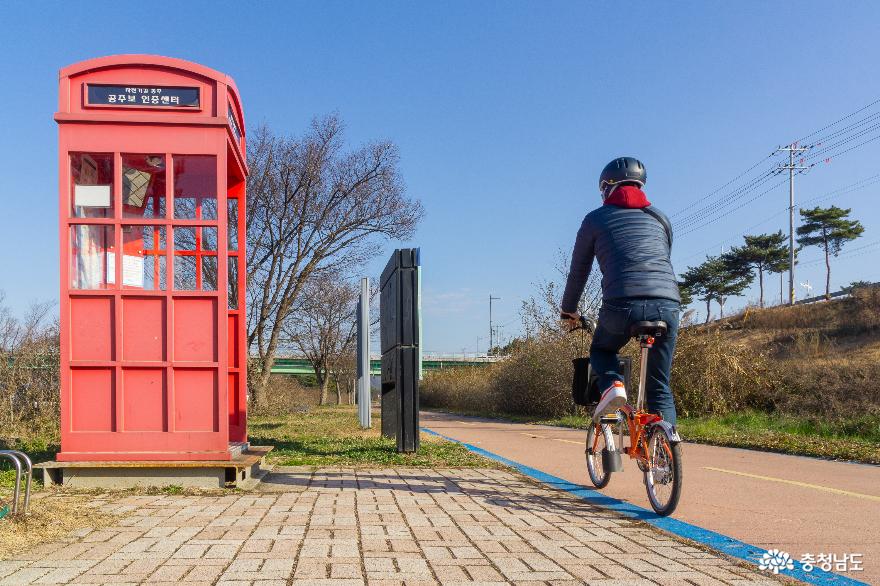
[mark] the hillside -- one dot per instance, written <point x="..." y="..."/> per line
<point x="831" y="348"/>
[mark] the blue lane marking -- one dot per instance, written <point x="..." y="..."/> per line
<point x="728" y="545"/>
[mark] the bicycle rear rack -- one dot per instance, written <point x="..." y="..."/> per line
<point x="22" y="463"/>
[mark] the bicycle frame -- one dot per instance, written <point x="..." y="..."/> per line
<point x="653" y="442"/>
<point x="637" y="418"/>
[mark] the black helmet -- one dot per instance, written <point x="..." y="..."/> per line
<point x="622" y="170"/>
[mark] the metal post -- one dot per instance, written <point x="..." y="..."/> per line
<point x="791" y="226"/>
<point x="491" y="329"/>
<point x="363" y="357"/>
<point x="418" y="262"/>
<point x="17" y="490"/>
<point x="29" y="466"/>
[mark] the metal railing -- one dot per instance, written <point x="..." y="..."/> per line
<point x="22" y="463"/>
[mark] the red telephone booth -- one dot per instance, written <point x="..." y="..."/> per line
<point x="152" y="229"/>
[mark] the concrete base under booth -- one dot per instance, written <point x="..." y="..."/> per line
<point x="245" y="469"/>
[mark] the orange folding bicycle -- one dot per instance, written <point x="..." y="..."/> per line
<point x="653" y="442"/>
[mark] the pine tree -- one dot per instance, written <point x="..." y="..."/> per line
<point x="695" y="281"/>
<point x="718" y="278"/>
<point x="686" y="293"/>
<point x="761" y="253"/>
<point x="731" y="278"/>
<point x="828" y="228"/>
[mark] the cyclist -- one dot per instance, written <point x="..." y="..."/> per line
<point x="631" y="240"/>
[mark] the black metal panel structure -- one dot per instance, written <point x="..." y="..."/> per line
<point x="399" y="330"/>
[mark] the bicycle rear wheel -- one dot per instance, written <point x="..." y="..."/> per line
<point x="663" y="475"/>
<point x="598" y="474"/>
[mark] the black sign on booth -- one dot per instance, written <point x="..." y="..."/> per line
<point x="142" y="96"/>
<point x="399" y="327"/>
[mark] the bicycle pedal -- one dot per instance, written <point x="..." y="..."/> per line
<point x="612" y="418"/>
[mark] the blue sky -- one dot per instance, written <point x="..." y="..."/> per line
<point x="504" y="113"/>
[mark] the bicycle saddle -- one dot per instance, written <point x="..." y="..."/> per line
<point x="648" y="328"/>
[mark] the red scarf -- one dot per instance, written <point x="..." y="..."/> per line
<point x="628" y="196"/>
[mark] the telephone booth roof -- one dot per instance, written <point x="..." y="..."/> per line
<point x="146" y="68"/>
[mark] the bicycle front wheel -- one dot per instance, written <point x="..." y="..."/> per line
<point x="599" y="438"/>
<point x="663" y="472"/>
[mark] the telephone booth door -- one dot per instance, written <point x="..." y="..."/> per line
<point x="152" y="205"/>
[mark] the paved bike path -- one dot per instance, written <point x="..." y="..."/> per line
<point x="796" y="504"/>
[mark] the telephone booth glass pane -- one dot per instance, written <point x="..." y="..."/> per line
<point x="143" y="257"/>
<point x="92" y="257"/>
<point x="195" y="187"/>
<point x="185" y="238"/>
<point x="209" y="238"/>
<point x="185" y="273"/>
<point x="232" y="281"/>
<point x="209" y="273"/>
<point x="232" y="224"/>
<point x="195" y="258"/>
<point x="91" y="185"/>
<point x="143" y="186"/>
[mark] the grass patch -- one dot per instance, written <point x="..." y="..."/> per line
<point x="331" y="436"/>
<point x="37" y="450"/>
<point x="52" y="517"/>
<point x="856" y="439"/>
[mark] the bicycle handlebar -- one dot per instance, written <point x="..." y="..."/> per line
<point x="585" y="323"/>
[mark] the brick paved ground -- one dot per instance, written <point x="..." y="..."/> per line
<point x="342" y="526"/>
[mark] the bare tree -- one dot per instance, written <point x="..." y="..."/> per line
<point x="344" y="370"/>
<point x="29" y="359"/>
<point x="313" y="208"/>
<point x="540" y="312"/>
<point x="322" y="328"/>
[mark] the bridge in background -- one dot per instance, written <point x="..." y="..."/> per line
<point x="302" y="366"/>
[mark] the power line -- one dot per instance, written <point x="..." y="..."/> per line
<point x="838" y="121"/>
<point x="729" y="199"/>
<point x="697" y="220"/>
<point x="847" y="254"/>
<point x="832" y="144"/>
<point x="707" y="196"/>
<point x="855" y="186"/>
<point x="694" y="228"/>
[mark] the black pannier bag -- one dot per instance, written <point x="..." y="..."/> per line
<point x="585" y="383"/>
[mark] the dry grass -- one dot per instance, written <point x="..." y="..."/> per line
<point x="851" y="316"/>
<point x="52" y="517"/>
<point x="709" y="375"/>
<point x="287" y="395"/>
<point x="535" y="380"/>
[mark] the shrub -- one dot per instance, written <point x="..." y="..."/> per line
<point x="286" y="395"/>
<point x="536" y="378"/>
<point x="835" y="388"/>
<point x="712" y="376"/>
<point x="709" y="376"/>
<point x="29" y="365"/>
<point x="467" y="389"/>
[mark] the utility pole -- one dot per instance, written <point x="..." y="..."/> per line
<point x="491" y="327"/>
<point x="781" y="288"/>
<point x="792" y="149"/>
